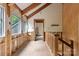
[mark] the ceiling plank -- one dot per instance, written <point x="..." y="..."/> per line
<point x="32" y="6"/>
<point x="38" y="10"/>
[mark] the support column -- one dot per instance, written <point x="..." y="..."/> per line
<point x="8" y="37"/>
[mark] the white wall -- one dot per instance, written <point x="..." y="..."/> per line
<point x="52" y="15"/>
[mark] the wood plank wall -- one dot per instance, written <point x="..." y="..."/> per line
<point x="50" y="41"/>
<point x="70" y="24"/>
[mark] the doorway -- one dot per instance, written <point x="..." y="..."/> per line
<point x="39" y="29"/>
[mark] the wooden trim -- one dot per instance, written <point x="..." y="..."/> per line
<point x="38" y="10"/>
<point x="39" y="21"/>
<point x="8" y="9"/>
<point x="32" y="6"/>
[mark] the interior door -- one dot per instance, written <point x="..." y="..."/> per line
<point x="39" y="28"/>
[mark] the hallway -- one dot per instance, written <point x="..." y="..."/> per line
<point x="25" y="26"/>
<point x="34" y="48"/>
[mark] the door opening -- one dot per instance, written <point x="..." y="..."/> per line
<point x="39" y="29"/>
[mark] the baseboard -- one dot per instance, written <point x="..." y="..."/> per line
<point x="49" y="49"/>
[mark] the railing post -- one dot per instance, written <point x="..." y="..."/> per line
<point x="56" y="46"/>
<point x="72" y="52"/>
<point x="62" y="49"/>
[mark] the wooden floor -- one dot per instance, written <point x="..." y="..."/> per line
<point x="34" y="48"/>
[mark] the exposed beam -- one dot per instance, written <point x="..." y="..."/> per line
<point x="32" y="6"/>
<point x="26" y="17"/>
<point x="8" y="9"/>
<point x="38" y="10"/>
<point x="17" y="7"/>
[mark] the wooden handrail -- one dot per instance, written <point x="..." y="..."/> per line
<point x="54" y="40"/>
<point x="70" y="45"/>
<point x="66" y="42"/>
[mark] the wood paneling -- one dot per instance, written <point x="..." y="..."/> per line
<point x="32" y="6"/>
<point x="70" y="24"/>
<point x="50" y="40"/>
<point x="38" y="10"/>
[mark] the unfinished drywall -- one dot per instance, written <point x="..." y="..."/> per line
<point x="52" y="15"/>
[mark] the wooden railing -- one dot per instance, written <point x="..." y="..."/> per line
<point x="59" y="46"/>
<point x="64" y="46"/>
<point x="16" y="42"/>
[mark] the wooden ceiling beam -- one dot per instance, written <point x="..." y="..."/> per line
<point x="38" y="10"/>
<point x="8" y="9"/>
<point x="32" y="6"/>
<point x="17" y="7"/>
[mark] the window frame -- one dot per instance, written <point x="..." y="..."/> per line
<point x="19" y="25"/>
<point x="3" y="25"/>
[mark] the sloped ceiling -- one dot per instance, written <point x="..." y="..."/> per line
<point x="23" y="5"/>
<point x="35" y="9"/>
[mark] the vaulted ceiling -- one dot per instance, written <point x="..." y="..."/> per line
<point x="30" y="9"/>
<point x="23" y="5"/>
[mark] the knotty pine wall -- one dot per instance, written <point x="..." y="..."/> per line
<point x="71" y="24"/>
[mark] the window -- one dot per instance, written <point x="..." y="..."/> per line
<point x="2" y="22"/>
<point x="24" y="27"/>
<point x="24" y="24"/>
<point x="16" y="24"/>
<point x="30" y="27"/>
